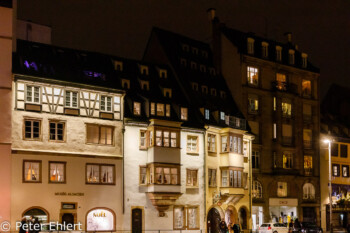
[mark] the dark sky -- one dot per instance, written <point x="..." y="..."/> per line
<point x="321" y="28"/>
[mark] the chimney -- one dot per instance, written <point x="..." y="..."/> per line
<point x="289" y="36"/>
<point x="211" y="14"/>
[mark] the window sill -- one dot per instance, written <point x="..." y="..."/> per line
<point x="57" y="141"/>
<point x="32" y="182"/>
<point x="97" y="144"/>
<point x="212" y="153"/>
<point x="192" y="187"/>
<point x="192" y="153"/>
<point x="29" y="139"/>
<point x="52" y="182"/>
<point x="111" y="184"/>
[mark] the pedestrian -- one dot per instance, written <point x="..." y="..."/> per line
<point x="36" y="225"/>
<point x="22" y="227"/>
<point x="222" y="226"/>
<point x="235" y="228"/>
<point x="31" y="225"/>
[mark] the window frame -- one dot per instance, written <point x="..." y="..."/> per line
<point x="253" y="100"/>
<point x="32" y="127"/>
<point x="64" y="172"/>
<point x="105" y="99"/>
<point x="184" y="110"/>
<point x="342" y="170"/>
<point x="64" y="130"/>
<point x="341" y="150"/>
<point x="146" y="175"/>
<point x="338" y="169"/>
<point x="99" y="134"/>
<point x="234" y="183"/>
<point x="286" y="187"/>
<point x="250" y="80"/>
<point x="198" y="217"/>
<point x="100" y="174"/>
<point x="196" y="151"/>
<point x="289" y="157"/>
<point x="256" y="160"/>
<point x="134" y="108"/>
<point x="71" y="99"/>
<point x="23" y="171"/>
<point x="256" y="185"/>
<point x="189" y="172"/>
<point x="210" y="143"/>
<point x="210" y="178"/>
<point x="32" y="101"/>
<point x="143" y="147"/>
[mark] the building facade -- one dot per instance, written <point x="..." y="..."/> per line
<point x="277" y="89"/>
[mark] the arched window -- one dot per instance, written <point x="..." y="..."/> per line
<point x="257" y="189"/>
<point x="308" y="191"/>
<point x="37" y="212"/>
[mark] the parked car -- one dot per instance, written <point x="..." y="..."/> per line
<point x="309" y="227"/>
<point x="273" y="228"/>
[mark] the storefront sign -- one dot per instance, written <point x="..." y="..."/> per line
<point x="100" y="220"/>
<point x="283" y="202"/>
<point x="68" y="194"/>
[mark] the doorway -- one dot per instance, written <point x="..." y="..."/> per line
<point x="243" y="218"/>
<point x="67" y="218"/>
<point x="137" y="220"/>
<point x="213" y="221"/>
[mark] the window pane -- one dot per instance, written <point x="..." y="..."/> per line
<point x="57" y="172"/>
<point x="192" y="217"/>
<point x="107" y="174"/>
<point x="92" y="134"/>
<point x="32" y="171"/>
<point x="93" y="173"/>
<point x="179" y="217"/>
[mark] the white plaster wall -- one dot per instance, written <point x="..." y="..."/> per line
<point x="135" y="195"/>
<point x="26" y="195"/>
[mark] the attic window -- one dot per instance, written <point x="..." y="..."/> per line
<point x="304" y="60"/>
<point x="137" y="108"/>
<point x="291" y="56"/>
<point x="250" y="45"/>
<point x="118" y="65"/>
<point x="193" y="65"/>
<point x="125" y="83"/>
<point x="222" y="94"/>
<point x="163" y="73"/>
<point x="202" y="68"/>
<point x="195" y="86"/>
<point x="185" y="47"/>
<point x="144" y="85"/>
<point x="206" y="114"/>
<point x="222" y="116"/>
<point x="167" y="92"/>
<point x="265" y="49"/>
<point x="167" y="110"/>
<point x="212" y="71"/>
<point x="204" y="89"/>
<point x="184" y="114"/>
<point x="144" y="70"/>
<point x="183" y="62"/>
<point x="213" y="91"/>
<point x="194" y="50"/>
<point x="205" y="54"/>
<point x="153" y="108"/>
<point x="278" y="53"/>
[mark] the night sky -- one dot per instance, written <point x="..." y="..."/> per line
<point x="321" y="28"/>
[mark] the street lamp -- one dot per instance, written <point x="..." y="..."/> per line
<point x="328" y="141"/>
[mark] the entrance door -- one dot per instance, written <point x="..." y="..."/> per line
<point x="243" y="218"/>
<point x="213" y="221"/>
<point x="309" y="214"/>
<point x="67" y="218"/>
<point x="137" y="220"/>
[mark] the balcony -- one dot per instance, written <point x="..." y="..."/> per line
<point x="284" y="86"/>
<point x="287" y="141"/>
<point x="235" y="122"/>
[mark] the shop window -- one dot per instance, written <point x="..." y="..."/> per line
<point x="281" y="81"/>
<point x="231" y="178"/>
<point x="224" y="144"/>
<point x="143" y="175"/>
<point x="306" y="88"/>
<point x="106" y="104"/>
<point x="160" y="109"/>
<point x="308" y="165"/>
<point x="179" y="217"/>
<point x="167" y="110"/>
<point x="37" y="212"/>
<point x="307" y="138"/>
<point x="335" y="170"/>
<point x="253" y="75"/>
<point x="211" y="143"/>
<point x="137" y="108"/>
<point x="32" y="171"/>
<point x="278" y="53"/>
<point x="265" y="49"/>
<point x="282" y="189"/>
<point x="345" y="170"/>
<point x="32" y="94"/>
<point x="98" y="134"/>
<point x="57" y="172"/>
<point x="100" y="174"/>
<point x="253" y="104"/>
<point x="257" y="190"/>
<point x="286" y="108"/>
<point x="184" y="114"/>
<point x="191" y="177"/>
<point x="143" y="139"/>
<point x="343" y="150"/>
<point x="255" y="159"/>
<point x="32" y="129"/>
<point x="250" y="45"/>
<point x="166" y="175"/>
<point x="334" y="149"/>
<point x="192" y="144"/>
<point x="287" y="160"/>
<point x="100" y="220"/>
<point x="212" y="177"/>
<point x="308" y="191"/>
<point x="71" y="100"/>
<point x="57" y="131"/>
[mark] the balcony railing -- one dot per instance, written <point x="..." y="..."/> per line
<point x="235" y="122"/>
<point x="287" y="141"/>
<point x="307" y="144"/>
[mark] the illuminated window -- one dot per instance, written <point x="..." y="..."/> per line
<point x="335" y="169"/>
<point x="173" y="138"/>
<point x="57" y="172"/>
<point x="160" y="109"/>
<point x="32" y="129"/>
<point x="257" y="190"/>
<point x="143" y="138"/>
<point x="306" y="88"/>
<point x="191" y="177"/>
<point x="31" y="171"/>
<point x="308" y="165"/>
<point x="166" y="175"/>
<point x="250" y="45"/>
<point x="253" y="104"/>
<point x="137" y="108"/>
<point x="192" y="144"/>
<point x="143" y="175"/>
<point x="281" y="81"/>
<point x="167" y="110"/>
<point x="184" y="114"/>
<point x="345" y="170"/>
<point x="57" y="131"/>
<point x="222" y="116"/>
<point x="252" y="75"/>
<point x="159" y="138"/>
<point x="308" y="191"/>
<point x="287" y="160"/>
<point x="211" y="143"/>
<point x="274" y="130"/>
<point x="231" y="178"/>
<point x="193" y="218"/>
<point x="304" y="60"/>
<point x="212" y="177"/>
<point x="100" y="174"/>
<point x="278" y="53"/>
<point x="106" y="104"/>
<point x="33" y="94"/>
<point x="265" y="49"/>
<point x="153" y="109"/>
<point x="255" y="159"/>
<point x="166" y="138"/>
<point x="206" y="114"/>
<point x="98" y="134"/>
<point x="71" y="99"/>
<point x="291" y="56"/>
<point x="224" y="144"/>
<point x="286" y="108"/>
<point x="274" y="104"/>
<point x="282" y="189"/>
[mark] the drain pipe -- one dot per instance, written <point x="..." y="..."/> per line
<point x="205" y="175"/>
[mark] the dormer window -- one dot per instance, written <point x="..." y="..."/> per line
<point x="291" y="53"/>
<point x="195" y="86"/>
<point x="185" y="47"/>
<point x="137" y="108"/>
<point x="265" y="49"/>
<point x="167" y="92"/>
<point x="160" y="109"/>
<point x="222" y="116"/>
<point x="206" y="114"/>
<point x="184" y="114"/>
<point x="144" y="70"/>
<point x="204" y="89"/>
<point x="167" y="110"/>
<point x="205" y="54"/>
<point x="202" y="68"/>
<point x="153" y="108"/>
<point x="193" y="65"/>
<point x="194" y="50"/>
<point x="125" y="84"/>
<point x="163" y="73"/>
<point x="278" y="53"/>
<point x="304" y="60"/>
<point x="212" y="71"/>
<point x="222" y="94"/>
<point x="183" y="62"/>
<point x="144" y="85"/>
<point x="213" y="91"/>
<point x="250" y="46"/>
<point x="118" y="65"/>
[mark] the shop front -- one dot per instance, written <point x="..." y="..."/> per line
<point x="283" y="210"/>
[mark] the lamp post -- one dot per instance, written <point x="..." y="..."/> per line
<point x="329" y="183"/>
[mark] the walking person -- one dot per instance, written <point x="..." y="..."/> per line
<point x="22" y="228"/>
<point x="222" y="226"/>
<point x="36" y="225"/>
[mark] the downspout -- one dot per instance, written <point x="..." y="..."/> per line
<point x="123" y="159"/>
<point x="250" y="181"/>
<point x="205" y="175"/>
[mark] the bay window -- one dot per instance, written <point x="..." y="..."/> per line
<point x="231" y="177"/>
